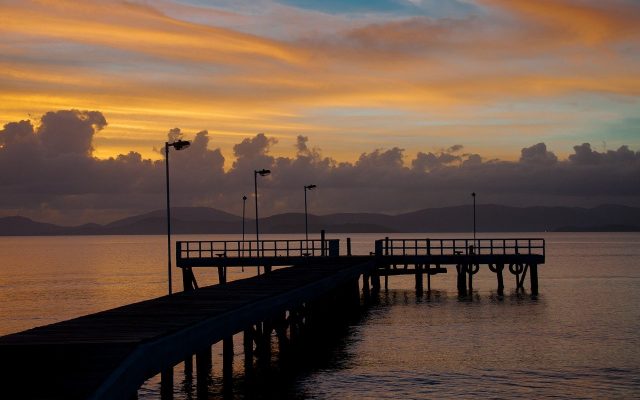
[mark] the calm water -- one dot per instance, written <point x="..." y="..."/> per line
<point x="579" y="339"/>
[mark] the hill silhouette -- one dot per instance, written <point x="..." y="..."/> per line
<point x="490" y="218"/>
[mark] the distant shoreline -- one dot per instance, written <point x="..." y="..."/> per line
<point x="458" y="219"/>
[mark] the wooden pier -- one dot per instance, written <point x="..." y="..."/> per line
<point x="109" y="355"/>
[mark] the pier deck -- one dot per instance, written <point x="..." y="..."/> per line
<point x="110" y="354"/>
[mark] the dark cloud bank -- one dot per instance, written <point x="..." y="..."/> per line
<point x="49" y="173"/>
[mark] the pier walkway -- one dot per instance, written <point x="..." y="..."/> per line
<point x="109" y="355"/>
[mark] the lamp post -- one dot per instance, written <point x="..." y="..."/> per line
<point x="262" y="172"/>
<point x="244" y="207"/>
<point x="306" y="219"/>
<point x="474" y="219"/>
<point x="178" y="145"/>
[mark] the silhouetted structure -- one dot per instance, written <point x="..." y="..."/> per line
<point x="306" y="214"/>
<point x="262" y="172"/>
<point x="178" y="145"/>
<point x="110" y="354"/>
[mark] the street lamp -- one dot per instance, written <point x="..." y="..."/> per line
<point x="244" y="207"/>
<point x="262" y="172"/>
<point x="306" y="221"/>
<point x="474" y="219"/>
<point x="178" y="145"/>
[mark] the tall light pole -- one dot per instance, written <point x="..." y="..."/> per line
<point x="474" y="220"/>
<point x="306" y="219"/>
<point x="244" y="207"/>
<point x="262" y="172"/>
<point x="178" y="145"/>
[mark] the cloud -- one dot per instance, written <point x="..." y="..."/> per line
<point x="256" y="66"/>
<point x="71" y="131"/>
<point x="538" y="155"/>
<point x="431" y="161"/>
<point x="584" y="155"/>
<point x="41" y="179"/>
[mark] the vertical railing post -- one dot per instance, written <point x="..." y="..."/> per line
<point x="378" y="248"/>
<point x="348" y="246"/>
<point x="322" y="244"/>
<point x="334" y="248"/>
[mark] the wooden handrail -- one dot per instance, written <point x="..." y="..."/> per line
<point x="191" y="249"/>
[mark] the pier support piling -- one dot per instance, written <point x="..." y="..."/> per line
<point x="462" y="279"/>
<point x="203" y="368"/>
<point x="419" y="284"/>
<point x="366" y="291"/>
<point x="248" y="348"/>
<point x="166" y="384"/>
<point x="227" y="359"/>
<point x="222" y="275"/>
<point x="375" y="282"/>
<point x="497" y="269"/>
<point x="533" y="275"/>
<point x="188" y="280"/>
<point x="472" y="269"/>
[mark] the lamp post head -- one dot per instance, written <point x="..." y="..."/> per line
<point x="262" y="172"/>
<point x="310" y="187"/>
<point x="473" y="194"/>
<point x="244" y="198"/>
<point x="179" y="144"/>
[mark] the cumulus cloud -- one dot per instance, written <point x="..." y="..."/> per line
<point x="47" y="171"/>
<point x="538" y="154"/>
<point x="432" y="161"/>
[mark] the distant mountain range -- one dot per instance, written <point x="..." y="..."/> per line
<point x="490" y="218"/>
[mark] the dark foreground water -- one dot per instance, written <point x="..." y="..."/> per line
<point x="579" y="339"/>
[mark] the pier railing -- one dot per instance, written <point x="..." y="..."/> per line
<point x="257" y="249"/>
<point x="452" y="247"/>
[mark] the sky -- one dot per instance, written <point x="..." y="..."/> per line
<point x="430" y="98"/>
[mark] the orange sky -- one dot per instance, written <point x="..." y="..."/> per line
<point x="494" y="75"/>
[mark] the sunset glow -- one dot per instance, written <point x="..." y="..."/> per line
<point x="493" y="75"/>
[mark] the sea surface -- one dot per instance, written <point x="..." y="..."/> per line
<point x="580" y="338"/>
